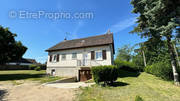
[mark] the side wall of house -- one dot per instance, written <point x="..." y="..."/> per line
<point x="68" y="67"/>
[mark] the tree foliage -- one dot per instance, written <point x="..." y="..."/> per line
<point x="124" y="53"/>
<point x="9" y="48"/>
<point x="157" y="20"/>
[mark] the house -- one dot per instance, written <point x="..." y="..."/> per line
<point x="70" y="58"/>
<point x="22" y="61"/>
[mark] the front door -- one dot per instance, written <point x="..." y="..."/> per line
<point x="84" y="75"/>
<point x="85" y="59"/>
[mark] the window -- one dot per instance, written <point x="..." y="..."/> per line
<point x="99" y="55"/>
<point x="54" y="58"/>
<point x="63" y="57"/>
<point x="74" y="55"/>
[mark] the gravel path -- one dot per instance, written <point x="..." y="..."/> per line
<point x="36" y="92"/>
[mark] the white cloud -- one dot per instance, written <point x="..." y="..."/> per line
<point x="74" y="34"/>
<point x="121" y="25"/>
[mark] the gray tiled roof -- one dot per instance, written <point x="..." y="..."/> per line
<point x="99" y="40"/>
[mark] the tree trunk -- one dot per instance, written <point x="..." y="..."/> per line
<point x="144" y="58"/>
<point x="173" y="60"/>
<point x="176" y="54"/>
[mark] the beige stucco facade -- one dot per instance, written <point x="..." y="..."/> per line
<point x="69" y="66"/>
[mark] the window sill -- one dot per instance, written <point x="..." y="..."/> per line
<point x="53" y="62"/>
<point x="99" y="60"/>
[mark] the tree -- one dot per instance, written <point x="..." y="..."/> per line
<point x="158" y="19"/>
<point x="142" y="50"/>
<point x="124" y="53"/>
<point x="176" y="53"/>
<point x="150" y="52"/>
<point x="137" y="59"/>
<point x="9" y="48"/>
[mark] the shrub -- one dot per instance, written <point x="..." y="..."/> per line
<point x="138" y="98"/>
<point x="106" y="74"/>
<point x="43" y="67"/>
<point x="161" y="69"/>
<point x="32" y="67"/>
<point x="125" y="65"/>
<point x="38" y="68"/>
<point x="14" y="67"/>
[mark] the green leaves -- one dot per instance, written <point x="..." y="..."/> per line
<point x="106" y="74"/>
<point x="9" y="48"/>
<point x="124" y="53"/>
<point x="156" y="16"/>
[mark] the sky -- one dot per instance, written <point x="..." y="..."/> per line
<point x="40" y="24"/>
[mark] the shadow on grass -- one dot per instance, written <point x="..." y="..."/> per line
<point x="123" y="73"/>
<point x="117" y="84"/>
<point x="2" y="94"/>
<point x="5" y="77"/>
<point x="114" y="84"/>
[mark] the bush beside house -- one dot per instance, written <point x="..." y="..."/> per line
<point x="106" y="74"/>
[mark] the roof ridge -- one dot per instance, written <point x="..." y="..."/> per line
<point x="87" y="37"/>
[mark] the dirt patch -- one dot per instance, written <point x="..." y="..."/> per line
<point x="36" y="92"/>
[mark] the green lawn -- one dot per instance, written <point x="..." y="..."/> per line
<point x="16" y="75"/>
<point x="147" y="86"/>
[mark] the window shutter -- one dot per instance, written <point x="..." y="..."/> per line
<point x="92" y="55"/>
<point x="50" y="59"/>
<point x="57" y="58"/>
<point x="104" y="54"/>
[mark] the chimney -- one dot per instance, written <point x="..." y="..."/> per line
<point x="108" y="32"/>
<point x="65" y="39"/>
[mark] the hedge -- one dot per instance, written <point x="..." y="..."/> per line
<point x="38" y="68"/>
<point x="21" y="67"/>
<point x="162" y="70"/>
<point x="106" y="74"/>
<point x="125" y="65"/>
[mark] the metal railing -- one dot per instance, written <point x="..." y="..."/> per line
<point x="87" y="62"/>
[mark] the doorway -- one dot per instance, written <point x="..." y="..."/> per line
<point x="85" y="59"/>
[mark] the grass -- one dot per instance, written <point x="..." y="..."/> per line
<point x="31" y="75"/>
<point x="148" y="87"/>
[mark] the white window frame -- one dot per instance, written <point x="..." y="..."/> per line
<point x="98" y="55"/>
<point x="62" y="57"/>
<point x="75" y="56"/>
